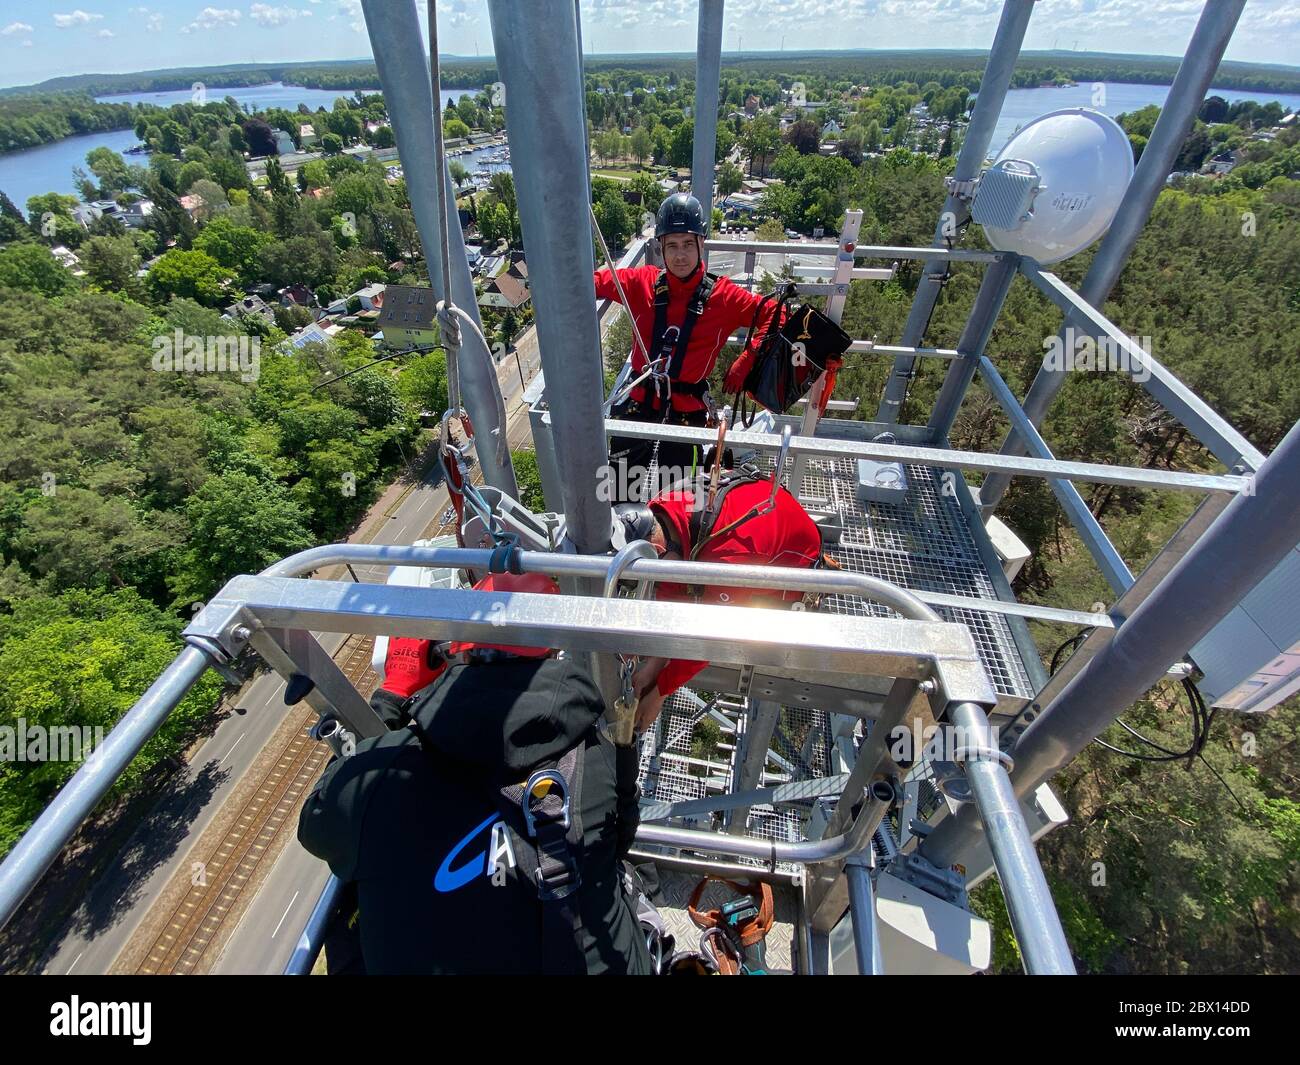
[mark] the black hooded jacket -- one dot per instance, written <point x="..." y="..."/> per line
<point x="412" y="827"/>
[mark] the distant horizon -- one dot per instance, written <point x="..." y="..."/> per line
<point x="37" y="43"/>
<point x="733" y="56"/>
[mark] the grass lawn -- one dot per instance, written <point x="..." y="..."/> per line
<point x="625" y="173"/>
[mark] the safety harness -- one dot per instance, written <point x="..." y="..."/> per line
<point x="544" y="813"/>
<point x="669" y="343"/>
<point x="704" y="520"/>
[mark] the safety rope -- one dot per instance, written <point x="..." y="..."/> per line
<point x="656" y="368"/>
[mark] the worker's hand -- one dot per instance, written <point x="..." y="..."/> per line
<point x="649" y="708"/>
<point x="735" y="379"/>
<point x="411" y="665"/>
<point x="645" y="681"/>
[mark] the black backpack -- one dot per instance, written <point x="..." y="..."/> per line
<point x="800" y="344"/>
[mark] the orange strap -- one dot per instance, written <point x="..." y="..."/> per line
<point x="828" y="386"/>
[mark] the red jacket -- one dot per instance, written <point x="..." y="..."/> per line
<point x="784" y="536"/>
<point x="729" y="308"/>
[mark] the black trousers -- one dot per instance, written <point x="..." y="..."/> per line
<point x="631" y="457"/>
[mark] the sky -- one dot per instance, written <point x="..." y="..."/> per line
<point x="45" y="38"/>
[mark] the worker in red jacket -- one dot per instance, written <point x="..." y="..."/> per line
<point x="746" y="525"/>
<point x="684" y="317"/>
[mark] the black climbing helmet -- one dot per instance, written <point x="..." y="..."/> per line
<point x="637" y="519"/>
<point x="680" y="213"/>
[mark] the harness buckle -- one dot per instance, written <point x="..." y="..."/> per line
<point x="556" y="780"/>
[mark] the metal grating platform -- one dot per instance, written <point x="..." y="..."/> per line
<point x="922" y="543"/>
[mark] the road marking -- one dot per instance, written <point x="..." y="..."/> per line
<point x="74" y="964"/>
<point x="232" y="749"/>
<point x="286" y="913"/>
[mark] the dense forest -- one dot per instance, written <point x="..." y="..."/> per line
<point x="885" y="67"/>
<point x="61" y="107"/>
<point x="129" y="495"/>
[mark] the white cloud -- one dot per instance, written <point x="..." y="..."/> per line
<point x="27" y="44"/>
<point x="15" y="27"/>
<point x="106" y="33"/>
<point x="211" y="18"/>
<point x="153" y="20"/>
<point x="351" y="9"/>
<point x="266" y="15"/>
<point x="458" y="12"/>
<point x="76" y="18"/>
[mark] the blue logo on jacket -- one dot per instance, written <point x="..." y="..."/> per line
<point x="447" y="879"/>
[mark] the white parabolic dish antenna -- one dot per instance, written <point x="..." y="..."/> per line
<point x="1056" y="185"/>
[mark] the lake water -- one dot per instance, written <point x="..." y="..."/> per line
<point x="1114" y="98"/>
<point x="49" y="167"/>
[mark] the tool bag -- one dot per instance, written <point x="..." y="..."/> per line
<point x="738" y="927"/>
<point x="800" y="344"/>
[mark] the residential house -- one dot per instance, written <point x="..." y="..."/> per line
<point x="509" y="289"/>
<point x="136" y="214"/>
<point x="192" y="204"/>
<point x="307" y="134"/>
<point x="751" y="105"/>
<point x="283" y="142"/>
<point x="315" y="333"/>
<point x="67" y="259"/>
<point x="408" y="318"/>
<point x="1223" y="163"/>
<point x="297" y="294"/>
<point x="831" y="127"/>
<point x="251" y="306"/>
<point x="371" y="298"/>
<point x="86" y="214"/>
<point x="491" y="265"/>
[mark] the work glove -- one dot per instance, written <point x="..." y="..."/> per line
<point x="735" y="379"/>
<point x="411" y="665"/>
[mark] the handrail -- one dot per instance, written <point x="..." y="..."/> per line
<point x="877" y="798"/>
<point x="778" y="578"/>
<point x="35" y="852"/>
<point x="556" y="564"/>
<point x="861" y="251"/>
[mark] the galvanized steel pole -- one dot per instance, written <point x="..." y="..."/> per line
<point x="41" y="843"/>
<point x="405" y="76"/>
<point x="1029" y="901"/>
<point x="708" y="66"/>
<point x="538" y="60"/>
